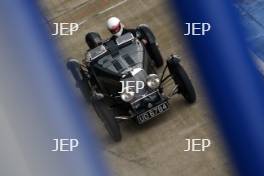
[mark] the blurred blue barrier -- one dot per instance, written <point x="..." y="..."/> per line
<point x="234" y="85"/>
<point x="252" y="17"/>
<point x="37" y="103"/>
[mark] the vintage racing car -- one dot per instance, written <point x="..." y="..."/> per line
<point x="119" y="78"/>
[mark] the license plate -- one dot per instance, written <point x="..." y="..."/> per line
<point x="153" y="112"/>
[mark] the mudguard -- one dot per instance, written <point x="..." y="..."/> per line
<point x="147" y="33"/>
<point x="93" y="39"/>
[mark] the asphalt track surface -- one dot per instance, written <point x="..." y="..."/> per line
<point x="155" y="148"/>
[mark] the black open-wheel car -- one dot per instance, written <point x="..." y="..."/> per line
<point x="110" y="68"/>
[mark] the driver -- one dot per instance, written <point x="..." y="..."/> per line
<point x="117" y="28"/>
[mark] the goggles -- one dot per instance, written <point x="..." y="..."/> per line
<point x="115" y="29"/>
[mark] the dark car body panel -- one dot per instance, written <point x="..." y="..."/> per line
<point x="109" y="68"/>
<point x="128" y="61"/>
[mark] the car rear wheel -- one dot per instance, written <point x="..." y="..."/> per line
<point x="181" y="78"/>
<point x="107" y="115"/>
<point x="155" y="54"/>
<point x="151" y="45"/>
<point x="93" y="39"/>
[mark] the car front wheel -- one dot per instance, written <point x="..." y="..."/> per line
<point x="181" y="78"/>
<point x="107" y="115"/>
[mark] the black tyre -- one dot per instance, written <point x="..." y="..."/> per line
<point x="81" y="80"/>
<point x="93" y="39"/>
<point x="151" y="46"/>
<point x="155" y="54"/>
<point x="107" y="115"/>
<point x="181" y="78"/>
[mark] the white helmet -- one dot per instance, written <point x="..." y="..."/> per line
<point x="115" y="26"/>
